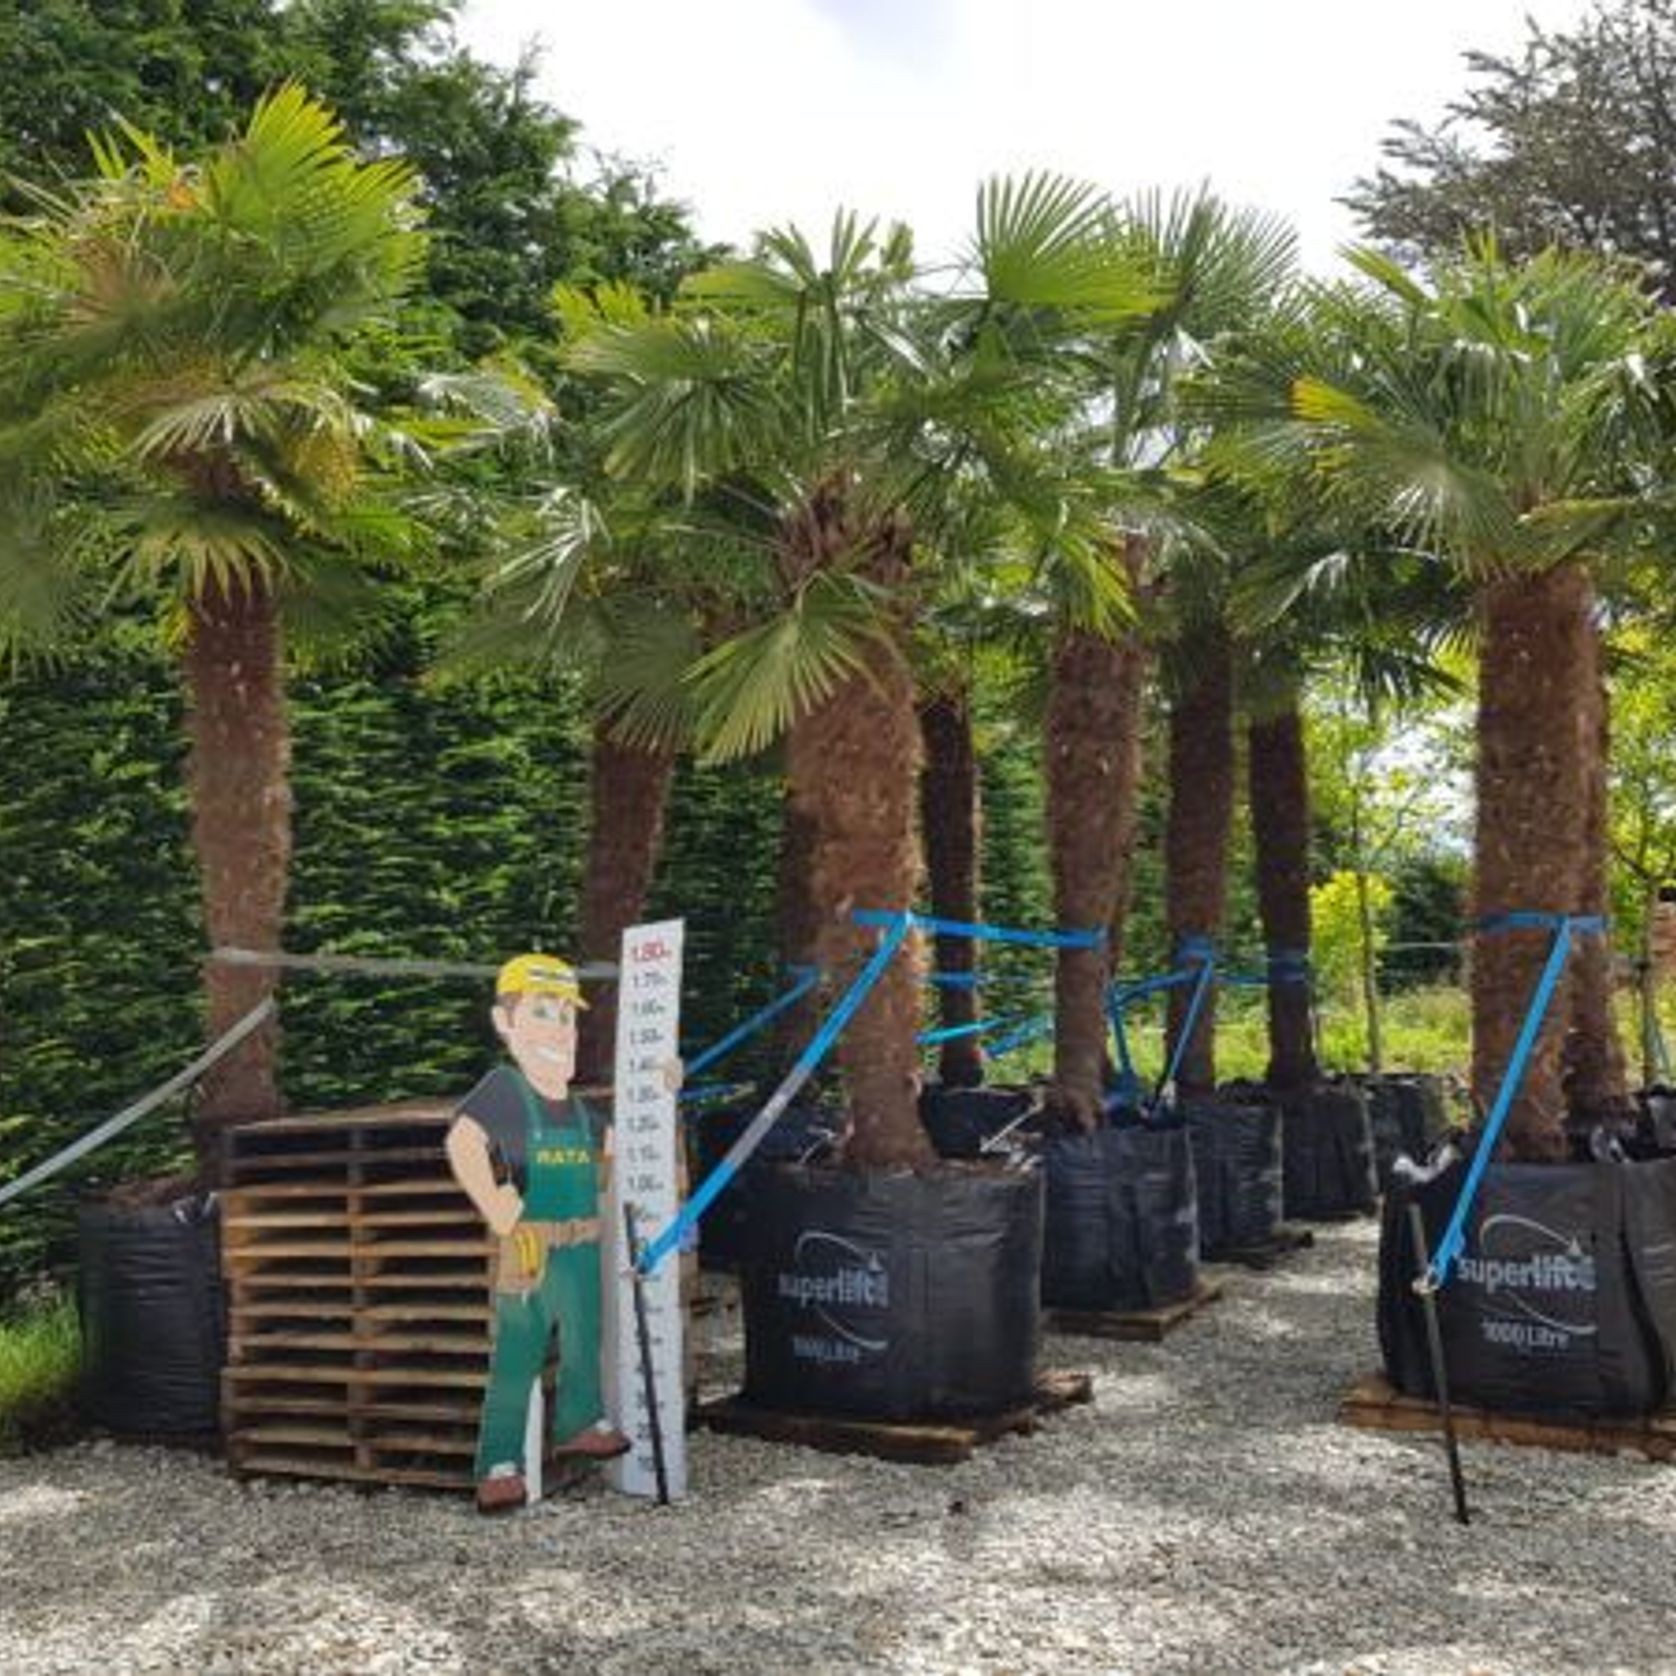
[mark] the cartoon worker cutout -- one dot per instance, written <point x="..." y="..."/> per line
<point x="533" y="1160"/>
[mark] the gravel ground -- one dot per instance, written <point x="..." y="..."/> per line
<point x="1204" y="1515"/>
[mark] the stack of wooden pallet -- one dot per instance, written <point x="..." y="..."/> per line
<point x="358" y="1276"/>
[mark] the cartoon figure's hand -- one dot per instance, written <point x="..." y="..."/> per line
<point x="674" y="1074"/>
<point x="504" y="1210"/>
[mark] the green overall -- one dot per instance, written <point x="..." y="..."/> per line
<point x="561" y="1183"/>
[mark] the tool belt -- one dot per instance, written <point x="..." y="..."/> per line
<point x="521" y="1256"/>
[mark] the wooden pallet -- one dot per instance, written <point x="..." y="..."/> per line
<point x="358" y="1288"/>
<point x="1141" y="1326"/>
<point x="1374" y="1404"/>
<point x="923" y="1443"/>
<point x="1288" y="1237"/>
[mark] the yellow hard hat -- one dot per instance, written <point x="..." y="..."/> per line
<point x="540" y="974"/>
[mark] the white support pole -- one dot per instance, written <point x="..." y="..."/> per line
<point x="535" y="1444"/>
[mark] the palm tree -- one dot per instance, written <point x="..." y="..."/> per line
<point x="1316" y="595"/>
<point x="587" y="579"/>
<point x="848" y="419"/>
<point x="1496" y="415"/>
<point x="177" y="425"/>
<point x="1217" y="270"/>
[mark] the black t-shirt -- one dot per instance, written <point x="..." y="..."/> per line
<point x="496" y="1104"/>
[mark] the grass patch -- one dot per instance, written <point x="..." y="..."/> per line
<point x="40" y="1360"/>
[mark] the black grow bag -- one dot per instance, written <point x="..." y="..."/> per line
<point x="1122" y="1218"/>
<point x="1406" y="1113"/>
<point x="960" y="1120"/>
<point x="1237" y="1149"/>
<point x="799" y="1131"/>
<point x="892" y="1296"/>
<point x="1657" y="1108"/>
<point x="154" y="1329"/>
<point x="1563" y="1301"/>
<point x="1328" y="1172"/>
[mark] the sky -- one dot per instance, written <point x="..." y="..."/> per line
<point x="759" y="112"/>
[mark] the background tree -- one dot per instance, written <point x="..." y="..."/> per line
<point x="1384" y="790"/>
<point x="512" y="206"/>
<point x="1567" y="143"/>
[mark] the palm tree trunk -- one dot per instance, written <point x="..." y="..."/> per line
<point x="238" y="778"/>
<point x="1596" y="1074"/>
<point x="1536" y="725"/>
<point x="852" y="767"/>
<point x="949" y="818"/>
<point x="1279" y="779"/>
<point x="628" y="796"/>
<point x="1093" y="740"/>
<point x="794" y="913"/>
<point x="1196" y="838"/>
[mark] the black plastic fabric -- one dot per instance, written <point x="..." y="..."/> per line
<point x="1122" y="1218"/>
<point x="154" y="1329"/>
<point x="960" y="1120"/>
<point x="803" y="1129"/>
<point x="1237" y="1150"/>
<point x="1564" y="1299"/>
<point x="1329" y="1171"/>
<point x="1407" y="1113"/>
<point x="892" y="1296"/>
<point x="1658" y="1118"/>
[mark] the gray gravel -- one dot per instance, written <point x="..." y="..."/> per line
<point x="1205" y="1515"/>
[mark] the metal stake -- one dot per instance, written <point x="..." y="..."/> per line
<point x="1434" y="1346"/>
<point x="643" y="1332"/>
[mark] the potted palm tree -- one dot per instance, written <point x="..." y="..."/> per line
<point x="1499" y="416"/>
<point x="1214" y="269"/>
<point x="836" y="416"/>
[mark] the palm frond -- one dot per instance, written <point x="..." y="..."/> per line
<point x="750" y="689"/>
<point x="1044" y="241"/>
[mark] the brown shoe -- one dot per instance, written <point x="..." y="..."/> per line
<point x="501" y="1492"/>
<point x="598" y="1444"/>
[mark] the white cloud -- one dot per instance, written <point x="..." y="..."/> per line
<point x="763" y="111"/>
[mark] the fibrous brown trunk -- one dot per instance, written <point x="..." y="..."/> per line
<point x="1279" y="779"/>
<point x="794" y="911"/>
<point x="1596" y="1074"/>
<point x="1196" y="840"/>
<point x="628" y="796"/>
<point x="852" y="767"/>
<point x="949" y="820"/>
<point x="238" y="778"/>
<point x="1536" y="724"/>
<point x="1093" y="741"/>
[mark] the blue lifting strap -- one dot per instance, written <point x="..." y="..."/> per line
<point x="808" y="977"/>
<point x="983" y="933"/>
<point x="1564" y="928"/>
<point x="1203" y="951"/>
